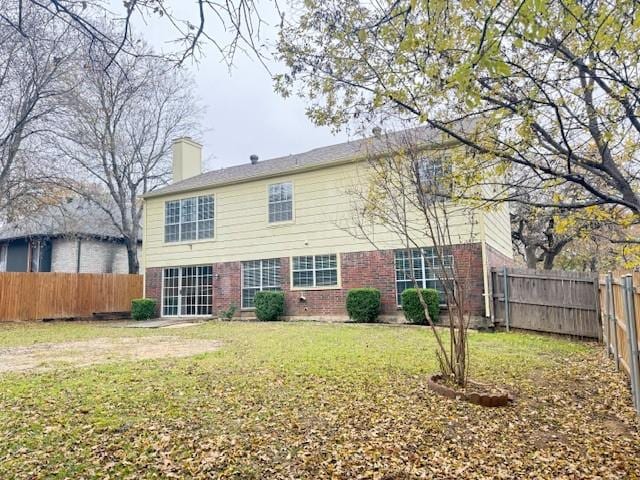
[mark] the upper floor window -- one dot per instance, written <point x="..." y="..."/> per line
<point x="189" y="219"/>
<point x="315" y="271"/>
<point x="280" y="202"/>
<point x="433" y="174"/>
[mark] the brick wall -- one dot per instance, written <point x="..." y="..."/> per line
<point x="227" y="286"/>
<point x="497" y="259"/>
<point x="358" y="270"/>
<point x="374" y="269"/>
<point x="153" y="286"/>
<point x="468" y="263"/>
<point x="96" y="256"/>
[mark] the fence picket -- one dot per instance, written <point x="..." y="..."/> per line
<point x="547" y="301"/>
<point x="32" y="296"/>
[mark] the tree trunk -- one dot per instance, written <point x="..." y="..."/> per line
<point x="530" y="256"/>
<point x="132" y="254"/>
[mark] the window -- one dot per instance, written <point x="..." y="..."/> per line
<point x="434" y="175"/>
<point x="258" y="275"/>
<point x="187" y="290"/>
<point x="280" y="202"/>
<point x="189" y="219"/>
<point x="315" y="271"/>
<point x="426" y="268"/>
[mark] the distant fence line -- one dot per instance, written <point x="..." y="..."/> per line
<point x="36" y="296"/>
<point x="620" y="300"/>
<point x="550" y="301"/>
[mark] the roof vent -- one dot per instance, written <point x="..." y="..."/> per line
<point x="254" y="159"/>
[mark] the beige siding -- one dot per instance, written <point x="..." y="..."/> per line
<point x="498" y="229"/>
<point x="322" y="222"/>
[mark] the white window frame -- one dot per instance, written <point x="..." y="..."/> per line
<point x="337" y="286"/>
<point x="423" y="268"/>
<point x="262" y="287"/>
<point x="269" y="203"/>
<point x="432" y="172"/>
<point x="179" y="296"/>
<point x="197" y="220"/>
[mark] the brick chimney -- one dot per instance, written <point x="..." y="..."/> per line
<point x="187" y="158"/>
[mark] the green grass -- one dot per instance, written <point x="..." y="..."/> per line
<point x="304" y="400"/>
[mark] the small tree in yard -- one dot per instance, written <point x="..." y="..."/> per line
<point x="408" y="194"/>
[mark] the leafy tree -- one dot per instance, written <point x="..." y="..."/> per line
<point x="550" y="90"/>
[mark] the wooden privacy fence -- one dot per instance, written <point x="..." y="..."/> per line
<point x="546" y="301"/>
<point x="620" y="300"/>
<point x="33" y="296"/>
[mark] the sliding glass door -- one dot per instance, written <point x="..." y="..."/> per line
<point x="187" y="291"/>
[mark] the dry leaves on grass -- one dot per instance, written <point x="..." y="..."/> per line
<point x="572" y="420"/>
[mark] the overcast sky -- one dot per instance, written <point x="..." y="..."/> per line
<point x="244" y="114"/>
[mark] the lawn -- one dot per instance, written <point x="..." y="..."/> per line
<point x="312" y="400"/>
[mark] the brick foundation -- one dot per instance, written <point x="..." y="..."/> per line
<point x="153" y="286"/>
<point x="468" y="262"/>
<point x="374" y="269"/>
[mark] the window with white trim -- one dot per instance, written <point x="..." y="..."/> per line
<point x="315" y="271"/>
<point x="434" y="175"/>
<point x="427" y="270"/>
<point x="189" y="219"/>
<point x="280" y="202"/>
<point x="259" y="275"/>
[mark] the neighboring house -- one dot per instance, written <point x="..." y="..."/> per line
<point x="75" y="236"/>
<point x="214" y="239"/>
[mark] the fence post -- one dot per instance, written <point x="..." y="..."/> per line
<point x="633" y="339"/>
<point x="596" y="286"/>
<point x="613" y="319"/>
<point x="505" y="277"/>
<point x="607" y="316"/>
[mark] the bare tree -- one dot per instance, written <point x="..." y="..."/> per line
<point x="33" y="78"/>
<point x="407" y="194"/>
<point x="117" y="132"/>
<point x="236" y="24"/>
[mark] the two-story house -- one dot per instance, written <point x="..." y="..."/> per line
<point x="214" y="239"/>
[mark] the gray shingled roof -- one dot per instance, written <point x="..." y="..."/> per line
<point x="318" y="157"/>
<point x="76" y="217"/>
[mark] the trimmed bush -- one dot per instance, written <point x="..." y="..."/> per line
<point x="143" y="308"/>
<point x="412" y="307"/>
<point x="269" y="305"/>
<point x="363" y="304"/>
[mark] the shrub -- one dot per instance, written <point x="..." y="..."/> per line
<point x="412" y="307"/>
<point x="269" y="305"/>
<point x="143" y="308"/>
<point x="363" y="304"/>
<point x="228" y="313"/>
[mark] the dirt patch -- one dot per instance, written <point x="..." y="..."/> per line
<point x="45" y="356"/>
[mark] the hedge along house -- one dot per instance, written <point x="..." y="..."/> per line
<point x="212" y="240"/>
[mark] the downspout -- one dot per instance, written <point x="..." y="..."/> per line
<point x="144" y="250"/>
<point x="485" y="268"/>
<point x="78" y="253"/>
